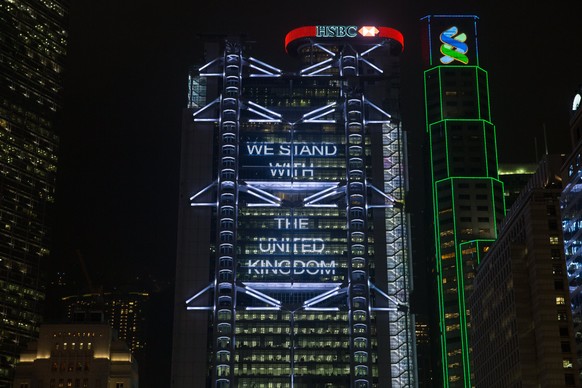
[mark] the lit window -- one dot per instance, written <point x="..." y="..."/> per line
<point x="560" y="300"/>
<point x="566" y="363"/>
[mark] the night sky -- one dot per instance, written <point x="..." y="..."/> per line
<point x="125" y="88"/>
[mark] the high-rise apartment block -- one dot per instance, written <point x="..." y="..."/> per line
<point x="467" y="194"/>
<point x="293" y="260"/>
<point x="32" y="49"/>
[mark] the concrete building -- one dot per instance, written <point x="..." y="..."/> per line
<point x="76" y="355"/>
<point x="521" y="319"/>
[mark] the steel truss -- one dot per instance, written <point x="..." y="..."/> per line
<point x="358" y="114"/>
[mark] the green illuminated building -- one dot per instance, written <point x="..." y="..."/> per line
<point x="32" y="50"/>
<point x="467" y="194"/>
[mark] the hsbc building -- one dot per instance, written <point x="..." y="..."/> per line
<point x="293" y="265"/>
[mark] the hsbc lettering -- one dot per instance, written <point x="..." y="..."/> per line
<point x="336" y="31"/>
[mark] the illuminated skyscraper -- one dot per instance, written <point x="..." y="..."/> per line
<point x="293" y="266"/>
<point x="32" y="51"/>
<point x="467" y="194"/>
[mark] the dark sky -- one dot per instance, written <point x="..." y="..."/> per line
<point x="126" y="87"/>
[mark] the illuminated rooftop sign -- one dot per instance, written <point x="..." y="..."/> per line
<point x="336" y="31"/>
<point x="344" y="32"/>
<point x="454" y="47"/>
<point x="450" y="40"/>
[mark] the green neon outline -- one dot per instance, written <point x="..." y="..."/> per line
<point x="485" y="178"/>
<point x="494" y="209"/>
<point x="490" y="177"/>
<point x="461" y="295"/>
<point x="426" y="101"/>
<point x="440" y="290"/>
<point x="488" y="96"/>
<point x="478" y="92"/>
<point x="485" y="146"/>
<point x="442" y="114"/>
<point x="447" y="153"/>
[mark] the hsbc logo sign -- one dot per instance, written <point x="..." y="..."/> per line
<point x="345" y="31"/>
<point x="336" y="31"/>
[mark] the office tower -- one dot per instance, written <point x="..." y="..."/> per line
<point x="467" y="194"/>
<point x="522" y="324"/>
<point x="81" y="354"/>
<point x="32" y="45"/>
<point x="293" y="267"/>
<point x="571" y="206"/>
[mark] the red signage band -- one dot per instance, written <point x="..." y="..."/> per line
<point x="311" y="32"/>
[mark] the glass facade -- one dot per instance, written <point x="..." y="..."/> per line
<point x="467" y="194"/>
<point x="571" y="208"/>
<point x="309" y="271"/>
<point x="32" y="50"/>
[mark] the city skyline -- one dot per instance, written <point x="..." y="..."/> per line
<point x="117" y="189"/>
<point x="118" y="177"/>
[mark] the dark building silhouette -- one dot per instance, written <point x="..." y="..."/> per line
<point x="293" y="259"/>
<point x="33" y="42"/>
<point x="515" y="177"/>
<point x="522" y="323"/>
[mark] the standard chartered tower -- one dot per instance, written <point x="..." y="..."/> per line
<point x="293" y="260"/>
<point x="467" y="195"/>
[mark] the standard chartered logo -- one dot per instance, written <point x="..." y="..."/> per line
<point x="454" y="47"/>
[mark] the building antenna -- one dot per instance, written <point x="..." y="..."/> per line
<point x="545" y="138"/>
